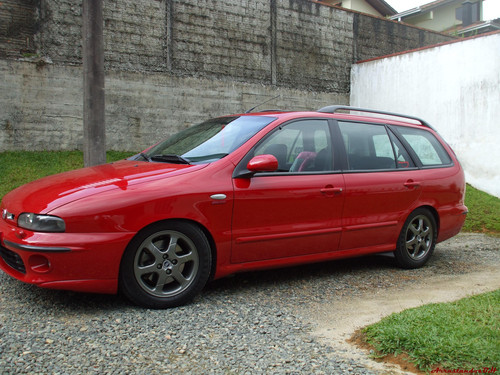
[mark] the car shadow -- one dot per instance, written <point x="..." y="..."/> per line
<point x="328" y="272"/>
<point x="91" y="303"/>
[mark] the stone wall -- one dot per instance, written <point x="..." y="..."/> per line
<point x="293" y="43"/>
<point x="374" y="37"/>
<point x="18" y="25"/>
<point x="213" y="56"/>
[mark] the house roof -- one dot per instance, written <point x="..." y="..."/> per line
<point x="422" y="8"/>
<point x="477" y="27"/>
<point x="382" y="7"/>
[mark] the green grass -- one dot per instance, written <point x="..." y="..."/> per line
<point x="20" y="167"/>
<point x="460" y="335"/>
<point x="484" y="212"/>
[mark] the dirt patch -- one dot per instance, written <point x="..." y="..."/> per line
<point x="337" y="319"/>
<point x="403" y="361"/>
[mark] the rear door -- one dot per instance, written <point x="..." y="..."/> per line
<point x="379" y="186"/>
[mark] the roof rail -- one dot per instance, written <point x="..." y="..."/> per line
<point x="335" y="108"/>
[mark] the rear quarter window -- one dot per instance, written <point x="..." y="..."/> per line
<point x="426" y="146"/>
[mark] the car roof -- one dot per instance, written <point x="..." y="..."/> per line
<point x="376" y="116"/>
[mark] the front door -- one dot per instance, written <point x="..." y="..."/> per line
<point x="296" y="210"/>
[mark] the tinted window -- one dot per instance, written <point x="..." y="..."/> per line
<point x="402" y="157"/>
<point x="426" y="146"/>
<point x="300" y="146"/>
<point x="369" y="147"/>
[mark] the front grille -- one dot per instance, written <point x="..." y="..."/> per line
<point x="12" y="259"/>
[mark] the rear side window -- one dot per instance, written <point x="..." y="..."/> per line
<point x="371" y="147"/>
<point x="427" y="148"/>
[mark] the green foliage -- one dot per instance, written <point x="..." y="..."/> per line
<point x="484" y="212"/>
<point x="20" y="167"/>
<point x="459" y="335"/>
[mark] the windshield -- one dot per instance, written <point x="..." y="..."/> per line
<point x="208" y="141"/>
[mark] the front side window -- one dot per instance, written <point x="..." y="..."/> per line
<point x="300" y="146"/>
<point x="426" y="146"/>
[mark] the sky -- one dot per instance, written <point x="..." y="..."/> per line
<point x="491" y="8"/>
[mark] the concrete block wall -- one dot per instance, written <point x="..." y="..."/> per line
<point x="292" y="43"/>
<point x="223" y="39"/>
<point x="42" y="105"/>
<point x="18" y="25"/>
<point x="314" y="46"/>
<point x="174" y="62"/>
<point x="134" y="33"/>
<point x="373" y="38"/>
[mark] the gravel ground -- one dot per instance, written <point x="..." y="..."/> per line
<point x="246" y="324"/>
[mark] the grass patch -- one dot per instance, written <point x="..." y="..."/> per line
<point x="484" y="212"/>
<point x="460" y="335"/>
<point x="20" y="167"/>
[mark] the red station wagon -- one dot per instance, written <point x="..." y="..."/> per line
<point x="237" y="193"/>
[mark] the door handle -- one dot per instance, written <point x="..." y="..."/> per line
<point x="410" y="184"/>
<point x="330" y="190"/>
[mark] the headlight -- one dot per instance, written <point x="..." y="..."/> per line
<point x="41" y="223"/>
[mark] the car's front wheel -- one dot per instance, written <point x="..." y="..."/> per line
<point x="165" y="265"/>
<point x="417" y="239"/>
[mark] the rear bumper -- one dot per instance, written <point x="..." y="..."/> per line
<point x="85" y="262"/>
<point x="451" y="222"/>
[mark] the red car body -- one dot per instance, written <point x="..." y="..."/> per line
<point x="251" y="222"/>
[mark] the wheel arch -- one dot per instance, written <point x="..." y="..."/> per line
<point x="434" y="213"/>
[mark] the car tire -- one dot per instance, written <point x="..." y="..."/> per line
<point x="417" y="239"/>
<point x="165" y="265"/>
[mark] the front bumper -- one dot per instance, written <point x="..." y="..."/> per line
<point x="85" y="262"/>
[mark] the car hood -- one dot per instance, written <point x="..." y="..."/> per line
<point x="48" y="193"/>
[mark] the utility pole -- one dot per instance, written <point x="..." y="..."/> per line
<point x="94" y="133"/>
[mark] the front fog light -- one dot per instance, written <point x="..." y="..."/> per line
<point x="39" y="263"/>
<point x="41" y="223"/>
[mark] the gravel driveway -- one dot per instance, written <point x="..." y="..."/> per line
<point x="259" y="322"/>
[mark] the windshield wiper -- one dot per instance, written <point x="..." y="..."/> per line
<point x="207" y="157"/>
<point x="142" y="154"/>
<point x="170" y="158"/>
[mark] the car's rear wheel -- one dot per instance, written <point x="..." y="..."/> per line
<point x="417" y="239"/>
<point x="165" y="265"/>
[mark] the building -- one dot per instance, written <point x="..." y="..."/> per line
<point x="379" y="8"/>
<point x="455" y="17"/>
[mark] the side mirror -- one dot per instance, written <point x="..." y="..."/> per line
<point x="263" y="163"/>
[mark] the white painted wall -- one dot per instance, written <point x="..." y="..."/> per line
<point x="455" y="87"/>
